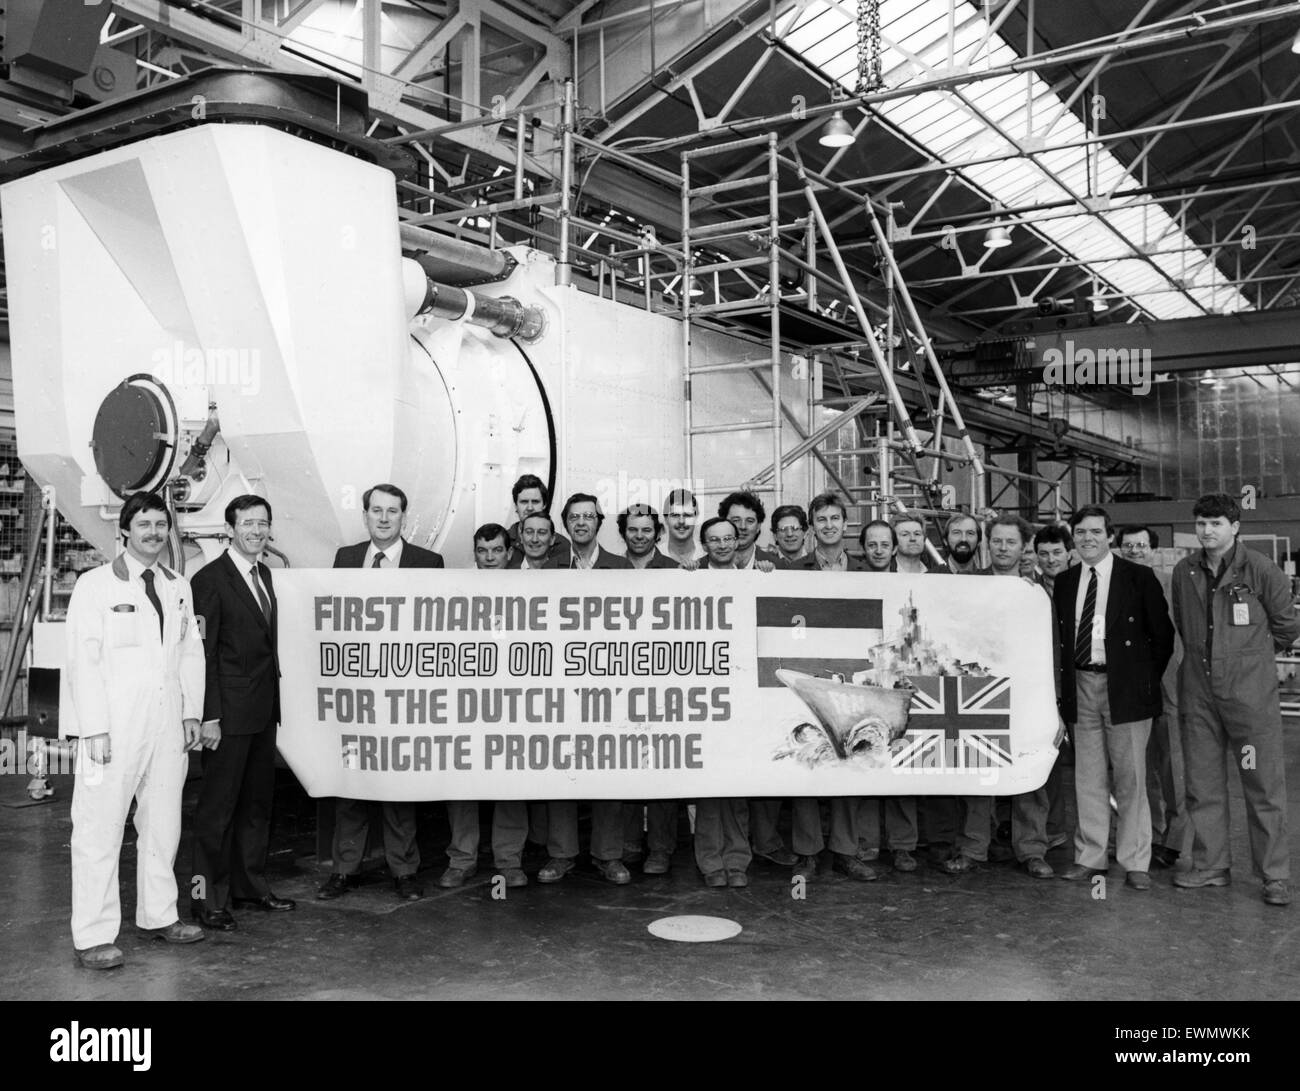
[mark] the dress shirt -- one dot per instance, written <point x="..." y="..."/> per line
<point x="1104" y="568"/>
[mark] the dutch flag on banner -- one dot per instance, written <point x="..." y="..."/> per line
<point x="818" y="636"/>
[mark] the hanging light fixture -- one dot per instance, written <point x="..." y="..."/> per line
<point x="693" y="288"/>
<point x="997" y="237"/>
<point x="836" y="133"/>
<point x="1295" y="43"/>
<point x="1098" y="301"/>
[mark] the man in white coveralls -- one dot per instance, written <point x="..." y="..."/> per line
<point x="135" y="676"/>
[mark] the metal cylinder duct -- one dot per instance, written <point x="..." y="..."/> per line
<point x="451" y="261"/>
<point x="503" y="316"/>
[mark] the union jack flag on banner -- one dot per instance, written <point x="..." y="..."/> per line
<point x="957" y="722"/>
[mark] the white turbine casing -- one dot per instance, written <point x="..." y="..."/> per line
<point x="258" y="271"/>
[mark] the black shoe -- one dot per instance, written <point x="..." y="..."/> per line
<point x="268" y="903"/>
<point x="408" y="890"/>
<point x="335" y="886"/>
<point x="1162" y="857"/>
<point x="218" y="920"/>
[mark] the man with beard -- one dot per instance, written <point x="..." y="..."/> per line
<point x="827" y="515"/>
<point x="509" y="816"/>
<point x="963" y="536"/>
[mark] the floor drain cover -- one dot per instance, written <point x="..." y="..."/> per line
<point x="694" y="929"/>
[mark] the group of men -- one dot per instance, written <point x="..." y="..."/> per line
<point x="208" y="678"/>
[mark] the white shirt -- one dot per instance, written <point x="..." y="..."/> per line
<point x="1104" y="568"/>
<point x="392" y="555"/>
<point x="245" y="567"/>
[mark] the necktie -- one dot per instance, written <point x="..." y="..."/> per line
<point x="261" y="595"/>
<point x="379" y="560"/>
<point x="147" y="576"/>
<point x="1083" y="635"/>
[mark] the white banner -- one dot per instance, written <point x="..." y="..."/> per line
<point x="425" y="684"/>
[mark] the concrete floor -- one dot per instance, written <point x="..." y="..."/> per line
<point x="994" y="934"/>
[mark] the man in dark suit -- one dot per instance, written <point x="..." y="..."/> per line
<point x="1115" y="639"/>
<point x="641" y="528"/>
<point x="241" y="710"/>
<point x="385" y="514"/>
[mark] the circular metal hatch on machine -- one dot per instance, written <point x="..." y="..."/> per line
<point x="135" y="434"/>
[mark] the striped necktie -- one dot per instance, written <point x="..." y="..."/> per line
<point x="1083" y="635"/>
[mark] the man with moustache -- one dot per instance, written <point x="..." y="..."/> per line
<point x="963" y="536"/>
<point x="681" y="513"/>
<point x="135" y="677"/>
<point x="509" y="816"/>
<point x="241" y="711"/>
<point x="1234" y="610"/>
<point x="1115" y="640"/>
<point x="384" y="512"/>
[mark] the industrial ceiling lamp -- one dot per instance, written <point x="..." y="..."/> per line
<point x="1099" y="302"/>
<point x="836" y="133"/>
<point x="998" y="235"/>
<point x="1295" y="43"/>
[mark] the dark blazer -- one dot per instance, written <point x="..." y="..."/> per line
<point x="604" y="559"/>
<point x="809" y="564"/>
<point x="243" y="679"/>
<point x="354" y="556"/>
<point x="1139" y="640"/>
<point x="659" y="560"/>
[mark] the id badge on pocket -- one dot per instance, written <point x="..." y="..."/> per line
<point x="1241" y="613"/>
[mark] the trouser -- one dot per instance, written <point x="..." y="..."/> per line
<point x="1166" y="775"/>
<point x="537" y="823"/>
<point x="232" y="820"/>
<point x="806" y="821"/>
<point x="509" y="831"/>
<point x="901" y="829"/>
<point x="722" y="835"/>
<point x="352" y="824"/>
<point x="974" y="817"/>
<point x="1029" y="812"/>
<point x="936" y="818"/>
<point x="660" y="830"/>
<point x="1096" y="739"/>
<point x="1216" y="729"/>
<point x="148" y="766"/>
<point x="606" y="829"/>
<point x="763" y="815"/>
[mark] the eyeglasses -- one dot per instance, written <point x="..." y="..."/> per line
<point x="582" y="517"/>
